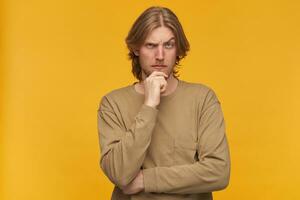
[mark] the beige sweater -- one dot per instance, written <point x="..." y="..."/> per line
<point x="181" y="146"/>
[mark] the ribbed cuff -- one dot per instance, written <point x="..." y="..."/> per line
<point x="147" y="112"/>
<point x="144" y="106"/>
<point x="150" y="180"/>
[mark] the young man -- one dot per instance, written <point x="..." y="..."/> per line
<point x="162" y="138"/>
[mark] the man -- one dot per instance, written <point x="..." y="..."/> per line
<point x="162" y="138"/>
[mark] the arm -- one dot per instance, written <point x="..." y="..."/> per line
<point x="211" y="172"/>
<point x="123" y="152"/>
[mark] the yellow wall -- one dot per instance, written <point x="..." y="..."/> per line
<point x="60" y="57"/>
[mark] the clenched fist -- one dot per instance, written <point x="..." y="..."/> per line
<point x="154" y="85"/>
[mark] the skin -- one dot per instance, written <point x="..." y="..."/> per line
<point x="158" y="49"/>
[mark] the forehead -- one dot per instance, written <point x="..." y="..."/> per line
<point x="160" y="34"/>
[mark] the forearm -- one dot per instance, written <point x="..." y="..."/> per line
<point x="200" y="177"/>
<point x="124" y="157"/>
<point x="210" y="173"/>
<point x="122" y="163"/>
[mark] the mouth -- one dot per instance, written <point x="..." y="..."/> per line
<point x="159" y="66"/>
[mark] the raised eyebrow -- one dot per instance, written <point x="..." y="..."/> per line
<point x="151" y="43"/>
<point x="171" y="39"/>
<point x="155" y="43"/>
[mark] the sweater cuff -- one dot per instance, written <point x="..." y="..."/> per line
<point x="150" y="179"/>
<point x="147" y="112"/>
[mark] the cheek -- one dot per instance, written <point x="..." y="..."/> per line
<point x="172" y="56"/>
<point x="145" y="57"/>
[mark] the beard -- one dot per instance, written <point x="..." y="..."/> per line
<point x="146" y="73"/>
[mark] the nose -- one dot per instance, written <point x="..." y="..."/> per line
<point x="160" y="53"/>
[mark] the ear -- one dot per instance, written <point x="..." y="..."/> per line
<point x="136" y="52"/>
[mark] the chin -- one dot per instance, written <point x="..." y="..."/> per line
<point x="165" y="70"/>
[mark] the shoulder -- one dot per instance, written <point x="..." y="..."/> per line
<point x="119" y="92"/>
<point x="200" y="90"/>
<point x="110" y="99"/>
<point x="199" y="87"/>
<point x="203" y="94"/>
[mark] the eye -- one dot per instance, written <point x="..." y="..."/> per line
<point x="150" y="45"/>
<point x="169" y="45"/>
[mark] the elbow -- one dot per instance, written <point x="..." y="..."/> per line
<point x="223" y="183"/>
<point x="223" y="179"/>
<point x="119" y="179"/>
<point x="122" y="181"/>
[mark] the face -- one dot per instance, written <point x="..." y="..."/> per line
<point x="158" y="52"/>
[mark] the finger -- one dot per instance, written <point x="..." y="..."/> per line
<point x="164" y="87"/>
<point x="158" y="73"/>
<point x="160" y="79"/>
<point x="127" y="189"/>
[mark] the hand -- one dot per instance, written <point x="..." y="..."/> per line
<point x="136" y="185"/>
<point x="154" y="85"/>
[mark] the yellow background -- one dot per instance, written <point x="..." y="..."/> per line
<point x="58" y="58"/>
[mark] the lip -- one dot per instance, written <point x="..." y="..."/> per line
<point x="159" y="66"/>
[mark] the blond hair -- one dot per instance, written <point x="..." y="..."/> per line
<point x="149" y="20"/>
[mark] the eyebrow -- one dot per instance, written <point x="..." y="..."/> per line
<point x="155" y="43"/>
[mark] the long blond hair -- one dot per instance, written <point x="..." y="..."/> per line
<point x="149" y="20"/>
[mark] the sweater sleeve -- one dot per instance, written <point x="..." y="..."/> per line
<point x="123" y="151"/>
<point x="212" y="170"/>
